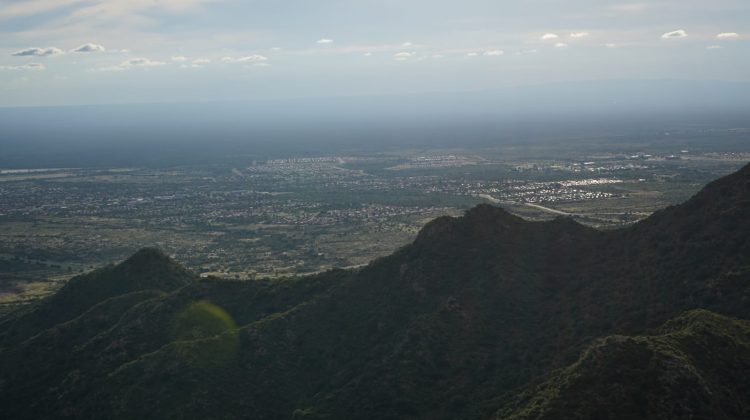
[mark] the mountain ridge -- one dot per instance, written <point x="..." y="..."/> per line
<point x="655" y="376"/>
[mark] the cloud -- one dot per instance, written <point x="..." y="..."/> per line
<point x="139" y="62"/>
<point x="579" y="35"/>
<point x="89" y="48"/>
<point x="250" y="59"/>
<point x="135" y="20"/>
<point x="324" y="41"/>
<point x="179" y="58"/>
<point x="367" y="54"/>
<point x="472" y="54"/>
<point x="404" y="55"/>
<point x="197" y="63"/>
<point x="610" y="45"/>
<point x="714" y="47"/>
<point x="275" y="48"/>
<point x="680" y="33"/>
<point x="561" y="45"/>
<point x="407" y="44"/>
<point x="38" y="52"/>
<point x="493" y="53"/>
<point x="24" y="67"/>
<point x="728" y="35"/>
<point x="547" y="37"/>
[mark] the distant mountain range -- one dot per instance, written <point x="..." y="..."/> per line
<point x="483" y="316"/>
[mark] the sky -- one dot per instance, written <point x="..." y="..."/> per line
<point x="78" y="52"/>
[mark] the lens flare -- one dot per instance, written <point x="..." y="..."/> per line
<point x="206" y="335"/>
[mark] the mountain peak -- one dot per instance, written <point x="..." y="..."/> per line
<point x="744" y="171"/>
<point x="721" y="206"/>
<point x="147" y="270"/>
<point x="486" y="222"/>
<point x="736" y="184"/>
<point x="147" y="256"/>
<point x="481" y="218"/>
<point x="486" y="210"/>
<point x="150" y="268"/>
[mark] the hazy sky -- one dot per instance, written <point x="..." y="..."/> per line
<point x="58" y="52"/>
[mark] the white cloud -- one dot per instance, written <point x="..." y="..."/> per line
<point x="406" y="44"/>
<point x="324" y="41"/>
<point x="472" y="54"/>
<point x="680" y="33"/>
<point x="139" y="62"/>
<point x="714" y="47"/>
<point x="561" y="45"/>
<point x="89" y="48"/>
<point x="547" y="37"/>
<point x="437" y="56"/>
<point x="197" y="63"/>
<point x="728" y="35"/>
<point x="610" y="45"/>
<point x="275" y="48"/>
<point x="253" y="58"/>
<point x="579" y="35"/>
<point x="25" y="67"/>
<point x="367" y="54"/>
<point x="493" y="53"/>
<point x="179" y="58"/>
<point x="404" y="55"/>
<point x="38" y="52"/>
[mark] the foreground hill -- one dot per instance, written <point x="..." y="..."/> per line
<point x="147" y="270"/>
<point x="693" y="367"/>
<point x="483" y="315"/>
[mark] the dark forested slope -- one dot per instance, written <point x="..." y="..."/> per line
<point x="695" y="366"/>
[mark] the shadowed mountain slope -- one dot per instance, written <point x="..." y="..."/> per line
<point x="459" y="324"/>
<point x="148" y="269"/>
<point x="694" y="367"/>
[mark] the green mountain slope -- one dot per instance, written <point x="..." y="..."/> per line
<point x="693" y="367"/>
<point x="148" y="269"/>
<point x="455" y="325"/>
